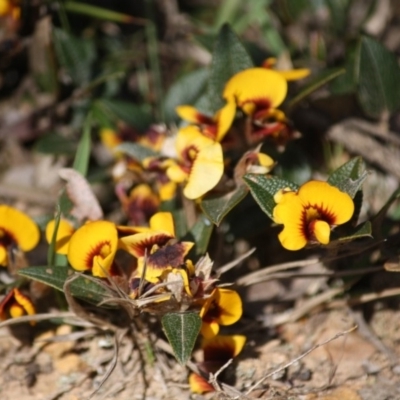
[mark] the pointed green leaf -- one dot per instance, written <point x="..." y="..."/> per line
<point x="182" y="330"/>
<point x="349" y="177"/>
<point x="53" y="143"/>
<point x="200" y="233"/>
<point x="378" y="78"/>
<point x="81" y="161"/>
<point x="263" y="189"/>
<point x="136" y="151"/>
<point x="75" y="54"/>
<point x="361" y="231"/>
<point x="185" y="90"/>
<point x="136" y="116"/>
<point x="216" y="208"/>
<point x="321" y="79"/>
<point x="98" y="12"/>
<point x="229" y="58"/>
<point x="56" y="276"/>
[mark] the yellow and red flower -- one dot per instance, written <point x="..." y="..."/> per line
<point x="309" y="214"/>
<point x="16" y="229"/>
<point x="64" y="232"/>
<point x="93" y="247"/>
<point x="217" y="351"/>
<point x="200" y="163"/>
<point x="10" y="8"/>
<point x="214" y="127"/>
<point x="155" y="248"/>
<point x="289" y="74"/>
<point x="256" y="91"/>
<point x="141" y="203"/>
<point x="15" y="304"/>
<point x="223" y="307"/>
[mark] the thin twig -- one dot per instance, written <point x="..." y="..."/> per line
<point x="338" y="335"/>
<point x="227" y="267"/>
<point x="37" y="317"/>
<point x="257" y="275"/>
<point x="113" y="362"/>
<point x="213" y="377"/>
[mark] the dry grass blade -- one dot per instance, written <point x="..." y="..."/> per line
<point x="37" y="317"/>
<point x="117" y="337"/>
<point x="227" y="267"/>
<point x="80" y="311"/>
<point x="258" y="276"/>
<point x="338" y="335"/>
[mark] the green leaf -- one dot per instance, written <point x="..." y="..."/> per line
<point x="55" y="277"/>
<point x="378" y="78"/>
<point x="347" y="82"/>
<point x="75" y="54"/>
<point x="264" y="188"/>
<point x="321" y="79"/>
<point x="136" y="151"/>
<point x="53" y="143"/>
<point x="216" y="208"/>
<point x="185" y="90"/>
<point x="200" y="233"/>
<point x="381" y="215"/>
<point x="349" y="177"/>
<point x="81" y="161"/>
<point x="182" y="330"/>
<point x="137" y="116"/>
<point x="98" y="12"/>
<point x="229" y="58"/>
<point x="361" y="231"/>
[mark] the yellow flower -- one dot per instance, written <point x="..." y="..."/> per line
<point x="290" y="74"/>
<point x="199" y="385"/>
<point x="153" y="248"/>
<point x="15" y="305"/>
<point x="256" y="91"/>
<point x="223" y="307"/>
<point x="64" y="233"/>
<point x="217" y="351"/>
<point x="141" y="203"/>
<point x="10" y="7"/>
<point x="200" y="162"/>
<point x="92" y="248"/>
<point x="214" y="127"/>
<point x="16" y="229"/>
<point x="309" y="214"/>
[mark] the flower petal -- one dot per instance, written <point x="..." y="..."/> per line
<point x="163" y="221"/>
<point x="222" y="347"/>
<point x="336" y="205"/>
<point x="256" y="85"/>
<point x="199" y="385"/>
<point x="206" y="171"/>
<point x="230" y="306"/>
<point x="141" y="243"/>
<point x="93" y="247"/>
<point x="20" y="228"/>
<point x="192" y="115"/>
<point x="289" y="212"/>
<point x="321" y="231"/>
<point x="64" y="233"/>
<point x="163" y="259"/>
<point x="294" y="74"/>
<point x="224" y="118"/>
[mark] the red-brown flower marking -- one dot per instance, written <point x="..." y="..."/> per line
<point x="309" y="214"/>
